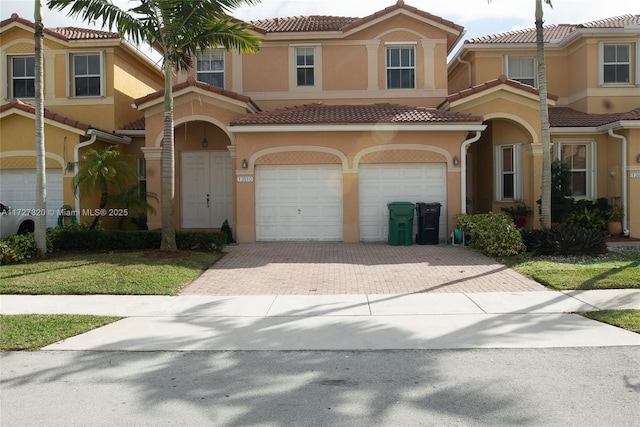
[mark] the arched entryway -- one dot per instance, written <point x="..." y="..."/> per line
<point x="204" y="171"/>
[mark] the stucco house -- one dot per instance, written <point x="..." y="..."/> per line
<point x="311" y="137"/>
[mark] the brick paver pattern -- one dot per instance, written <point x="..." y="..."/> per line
<point x="328" y="268"/>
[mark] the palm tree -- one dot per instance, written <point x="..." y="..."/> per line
<point x="179" y="28"/>
<point x="103" y="171"/>
<point x="545" y="205"/>
<point x="40" y="228"/>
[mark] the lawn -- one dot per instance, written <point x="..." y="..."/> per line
<point x="619" y="269"/>
<point x="34" y="331"/>
<point x="115" y="273"/>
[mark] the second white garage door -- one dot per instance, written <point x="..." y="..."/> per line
<point x="299" y="202"/>
<point x="407" y="182"/>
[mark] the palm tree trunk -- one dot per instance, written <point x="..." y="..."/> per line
<point x="545" y="213"/>
<point x="40" y="227"/>
<point x="168" y="164"/>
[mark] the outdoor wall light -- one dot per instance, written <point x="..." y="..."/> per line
<point x="205" y="143"/>
<point x="638" y="159"/>
<point x="245" y="164"/>
<point x="456" y="161"/>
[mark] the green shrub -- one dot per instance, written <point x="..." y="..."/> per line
<point x="226" y="229"/>
<point x="565" y="240"/>
<point x="75" y="239"/>
<point x="18" y="248"/>
<point x="492" y="234"/>
<point x="587" y="219"/>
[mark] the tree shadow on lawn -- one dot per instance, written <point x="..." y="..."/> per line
<point x="596" y="280"/>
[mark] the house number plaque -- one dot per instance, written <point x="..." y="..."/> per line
<point x="244" y="179"/>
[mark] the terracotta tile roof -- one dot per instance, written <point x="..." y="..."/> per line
<point x="191" y="82"/>
<point x="556" y="32"/>
<point x="20" y="105"/>
<point x="64" y="33"/>
<point x="313" y="23"/>
<point x="300" y="24"/>
<point x="568" y="117"/>
<point x="493" y="83"/>
<point x="354" y="114"/>
<point x="139" y="124"/>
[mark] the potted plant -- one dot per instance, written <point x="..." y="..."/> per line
<point x="615" y="220"/>
<point x="518" y="212"/>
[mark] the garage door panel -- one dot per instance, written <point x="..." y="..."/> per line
<point x="301" y="202"/>
<point x="18" y="190"/>
<point x="384" y="183"/>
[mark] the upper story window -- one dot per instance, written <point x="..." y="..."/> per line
<point x="521" y="69"/>
<point x="305" y="66"/>
<point x="616" y="65"/>
<point x="580" y="157"/>
<point x="401" y="67"/>
<point x="22" y="75"/>
<point x="88" y="79"/>
<point x="508" y="172"/>
<point x="210" y="67"/>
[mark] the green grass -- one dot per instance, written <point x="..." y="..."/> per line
<point x="34" y="331"/>
<point x="626" y="319"/>
<point x="619" y="269"/>
<point x="115" y="273"/>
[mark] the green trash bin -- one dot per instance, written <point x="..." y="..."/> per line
<point x="401" y="223"/>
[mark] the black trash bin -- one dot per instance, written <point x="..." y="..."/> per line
<point x="428" y="223"/>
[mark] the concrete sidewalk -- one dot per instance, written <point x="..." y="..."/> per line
<point x="339" y="322"/>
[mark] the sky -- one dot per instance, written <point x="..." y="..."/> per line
<point x="479" y="17"/>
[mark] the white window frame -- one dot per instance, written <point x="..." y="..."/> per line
<point x="499" y="172"/>
<point x="71" y="80"/>
<point x="412" y="67"/>
<point x="210" y="53"/>
<point x="293" y="68"/>
<point x="591" y="162"/>
<point x="633" y="65"/>
<point x="305" y="66"/>
<point x="9" y="77"/>
<point x="509" y="71"/>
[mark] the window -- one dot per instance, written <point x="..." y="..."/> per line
<point x="305" y="66"/>
<point x="23" y="77"/>
<point x="210" y="67"/>
<point x="616" y="64"/>
<point x="142" y="176"/>
<point x="521" y="70"/>
<point x="87" y="74"/>
<point x="580" y="157"/>
<point x="575" y="155"/>
<point x="508" y="174"/>
<point x="401" y="67"/>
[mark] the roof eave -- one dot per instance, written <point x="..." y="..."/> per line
<point x="368" y="127"/>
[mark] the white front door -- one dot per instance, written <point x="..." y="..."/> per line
<point x="206" y="187"/>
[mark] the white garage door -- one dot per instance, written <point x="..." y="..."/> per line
<point x="18" y="190"/>
<point x="399" y="182"/>
<point x="299" y="202"/>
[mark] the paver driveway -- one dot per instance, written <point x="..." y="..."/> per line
<point x="327" y="268"/>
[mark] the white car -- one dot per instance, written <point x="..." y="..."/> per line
<point x="14" y="221"/>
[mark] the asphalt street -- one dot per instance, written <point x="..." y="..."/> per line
<point x="497" y="387"/>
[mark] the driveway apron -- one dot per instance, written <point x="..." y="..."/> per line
<point x="331" y="268"/>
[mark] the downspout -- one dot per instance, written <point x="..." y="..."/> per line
<point x="76" y="166"/>
<point x="463" y="170"/>
<point x="468" y="64"/>
<point x="623" y="172"/>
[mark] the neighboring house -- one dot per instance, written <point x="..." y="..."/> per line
<point x="593" y="74"/>
<point x="335" y="117"/>
<point x="90" y="80"/>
